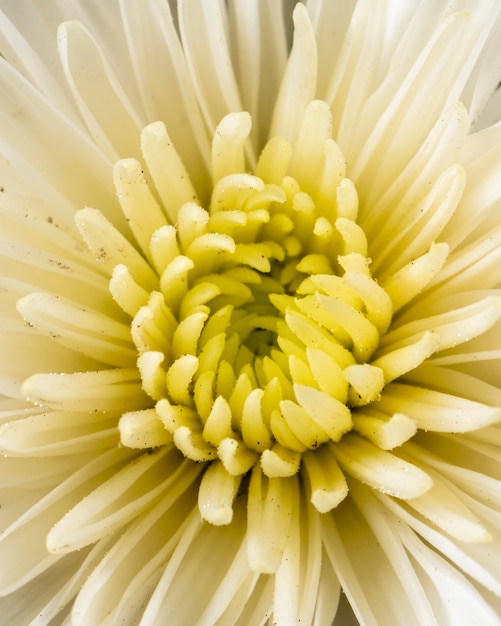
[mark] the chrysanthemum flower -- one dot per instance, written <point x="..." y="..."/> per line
<point x="251" y="258"/>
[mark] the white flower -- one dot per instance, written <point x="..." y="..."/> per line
<point x="250" y="312"/>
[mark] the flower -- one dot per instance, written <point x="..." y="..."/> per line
<point x="250" y="312"/>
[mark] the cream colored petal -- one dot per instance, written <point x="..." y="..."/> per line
<point x="452" y="328"/>
<point x="242" y="599"/>
<point x="81" y="329"/>
<point x="483" y="488"/>
<point x="204" y="35"/>
<point x="230" y="596"/>
<point x="111" y="248"/>
<point x="411" y="279"/>
<point x="364" y="40"/>
<point x="23" y="542"/>
<point x="58" y="433"/>
<point x="298" y="577"/>
<point x="228" y="146"/>
<point x="449" y="513"/>
<point x="257" y="31"/>
<point x="155" y="50"/>
<point x="326" y="481"/>
<point x="459" y="383"/>
<point x="40" y="473"/>
<point x="117" y="501"/>
<point x="381" y="470"/>
<point x="141" y="209"/>
<point x="21" y="51"/>
<point x="329" y="41"/>
<point x="483" y="78"/>
<point x="259" y="607"/>
<point x="477" y="561"/>
<point x="299" y="81"/>
<point x="142" y="429"/>
<point x="381" y="526"/>
<point x="385" y="431"/>
<point x="437" y="411"/>
<point x="67" y="584"/>
<point x="49" y="272"/>
<point x="172" y="181"/>
<point x="474" y="266"/>
<point x="406" y="192"/>
<point x="43" y="353"/>
<point x="340" y="561"/>
<point x="269" y="516"/>
<point x="25" y="139"/>
<point x="218" y="546"/>
<point x="328" y="594"/>
<point x="44" y="597"/>
<point x="288" y="575"/>
<point x="439" y="62"/>
<point x="102" y="101"/>
<point x="28" y="220"/>
<point x="453" y="598"/>
<point x="404" y="244"/>
<point x="216" y="494"/>
<point x="126" y="576"/>
<point x="104" y="390"/>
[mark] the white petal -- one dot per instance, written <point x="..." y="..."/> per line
<point x="257" y="31"/>
<point x="477" y="561"/>
<point x="105" y="390"/>
<point x="58" y="433"/>
<point x="454" y="599"/>
<point x="103" y="104"/>
<point x="437" y="411"/>
<point x="204" y="35"/>
<point x="379" y="469"/>
<point x="25" y="139"/>
<point x="220" y="547"/>
<point x="126" y="576"/>
<point x="381" y="525"/>
<point x="116" y="501"/>
<point x="155" y="50"/>
<point x="111" y="248"/>
<point x="299" y="81"/>
<point x="82" y="329"/>
<point x="23" y="543"/>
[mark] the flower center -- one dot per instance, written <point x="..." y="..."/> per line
<point x="268" y="316"/>
<point x="256" y="320"/>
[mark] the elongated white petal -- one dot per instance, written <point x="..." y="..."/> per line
<point x="206" y="50"/>
<point x="169" y="174"/>
<point x="437" y="411"/>
<point x="269" y="517"/>
<point x="79" y="328"/>
<point x="458" y="601"/>
<point x="114" y="502"/>
<point x="299" y="81"/>
<point x="106" y="390"/>
<point x="28" y="532"/>
<point x="184" y="568"/>
<point x="58" y="433"/>
<point x="102" y="101"/>
<point x="106" y="595"/>
<point x="111" y="248"/>
<point x="381" y="470"/>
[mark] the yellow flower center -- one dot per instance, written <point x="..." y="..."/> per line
<point x="257" y="321"/>
<point x="267" y="316"/>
